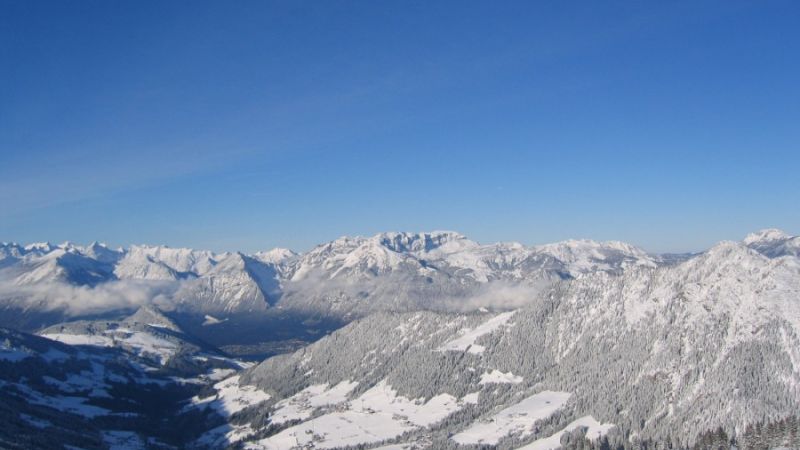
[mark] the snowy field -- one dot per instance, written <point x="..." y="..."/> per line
<point x="81" y="339"/>
<point x="518" y="418"/>
<point x="301" y="405"/>
<point x="144" y="344"/>
<point x="376" y="415"/>
<point x="495" y="376"/>
<point x="231" y="397"/>
<point x="595" y="430"/>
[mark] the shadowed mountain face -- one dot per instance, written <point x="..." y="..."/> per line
<point x="104" y="384"/>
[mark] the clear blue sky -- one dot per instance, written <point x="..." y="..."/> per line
<point x="251" y="124"/>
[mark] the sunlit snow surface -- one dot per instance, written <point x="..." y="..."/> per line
<point x="231" y="397"/>
<point x="518" y="418"/>
<point x="301" y="405"/>
<point x="376" y="415"/>
<point x="145" y="344"/>
<point x="81" y="339"/>
<point x="594" y="430"/>
<point x="495" y="376"/>
<point x="466" y="342"/>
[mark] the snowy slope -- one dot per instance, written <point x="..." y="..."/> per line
<point x="236" y="284"/>
<point x="55" y="396"/>
<point x="603" y="338"/>
<point x="146" y="334"/>
<point x="659" y="352"/>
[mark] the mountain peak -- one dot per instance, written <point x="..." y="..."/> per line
<point x="404" y="242"/>
<point x="727" y="248"/>
<point x="766" y="235"/>
<point x="39" y="246"/>
<point x="150" y="315"/>
<point x="276" y="255"/>
<point x="773" y="243"/>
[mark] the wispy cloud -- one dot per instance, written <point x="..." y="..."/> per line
<point x="25" y="185"/>
<point x="80" y="300"/>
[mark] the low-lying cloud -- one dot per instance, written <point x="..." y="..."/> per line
<point x="498" y="295"/>
<point x="403" y="292"/>
<point x="315" y="292"/>
<point x="81" y="300"/>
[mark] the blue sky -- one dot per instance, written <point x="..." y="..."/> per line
<point x="251" y="124"/>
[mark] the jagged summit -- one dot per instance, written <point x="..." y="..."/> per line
<point x="40" y="247"/>
<point x="102" y="253"/>
<point x="423" y="242"/>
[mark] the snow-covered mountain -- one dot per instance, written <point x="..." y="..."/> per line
<point x="147" y="333"/>
<point x="347" y="277"/>
<point x="159" y="262"/>
<point x="455" y="255"/>
<point x="450" y="344"/>
<point x="102" y="386"/>
<point x="60" y="264"/>
<point x="236" y="284"/>
<point x="774" y="243"/>
<point x="353" y="276"/>
<point x="656" y="353"/>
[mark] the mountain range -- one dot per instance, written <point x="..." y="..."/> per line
<point x="352" y="269"/>
<point x="402" y="341"/>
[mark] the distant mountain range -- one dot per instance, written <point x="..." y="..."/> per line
<point x="403" y="341"/>
<point x="347" y="276"/>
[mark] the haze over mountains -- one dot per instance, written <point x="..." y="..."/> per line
<point x="403" y="340"/>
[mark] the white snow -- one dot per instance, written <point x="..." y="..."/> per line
<point x="471" y="398"/>
<point x="81" y="339"/>
<point x="301" y="405"/>
<point x="496" y="376"/>
<point x="231" y="397"/>
<point x="582" y="256"/>
<point x="595" y="430"/>
<point x="145" y="344"/>
<point x="223" y="435"/>
<point x="466" y="342"/>
<point x="376" y="415"/>
<point x="769" y="234"/>
<point x="149" y="345"/>
<point x="211" y="320"/>
<point x="518" y="418"/>
<point x="217" y="374"/>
